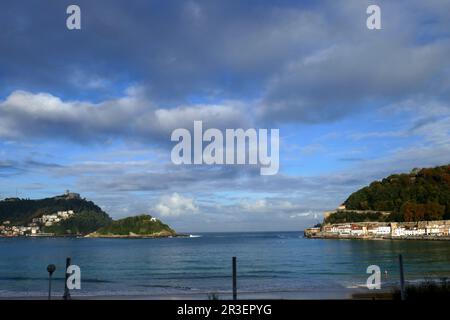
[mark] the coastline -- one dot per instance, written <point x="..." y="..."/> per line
<point x="434" y="230"/>
<point x="354" y="237"/>
<point x="80" y="236"/>
<point x="136" y="236"/>
<point x="335" y="294"/>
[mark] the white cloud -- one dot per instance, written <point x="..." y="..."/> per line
<point x="175" y="205"/>
<point x="270" y="206"/>
<point x="258" y="205"/>
<point x="304" y="214"/>
<point x="25" y="115"/>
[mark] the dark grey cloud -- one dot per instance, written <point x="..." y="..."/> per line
<point x="286" y="61"/>
<point x="11" y="168"/>
<point x="177" y="49"/>
<point x="346" y="79"/>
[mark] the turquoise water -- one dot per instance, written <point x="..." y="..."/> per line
<point x="268" y="262"/>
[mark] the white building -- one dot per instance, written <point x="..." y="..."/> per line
<point x="383" y="230"/>
<point x="399" y="232"/>
<point x="415" y="232"/>
<point x="342" y="229"/>
<point x="357" y="232"/>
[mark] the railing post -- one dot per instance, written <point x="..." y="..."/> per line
<point x="234" y="279"/>
<point x="402" y="278"/>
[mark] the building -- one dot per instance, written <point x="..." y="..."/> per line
<point x="358" y="230"/>
<point x="392" y="230"/>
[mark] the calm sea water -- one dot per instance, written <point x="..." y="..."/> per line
<point x="268" y="262"/>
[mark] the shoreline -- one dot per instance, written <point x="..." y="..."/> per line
<point x="97" y="236"/>
<point x="342" y="237"/>
<point x="335" y="294"/>
<point x="433" y="230"/>
<point x="80" y="236"/>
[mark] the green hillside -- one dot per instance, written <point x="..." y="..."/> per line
<point x="22" y="211"/>
<point x="351" y="216"/>
<point x="142" y="225"/>
<point x="83" y="222"/>
<point x="88" y="216"/>
<point x="422" y="194"/>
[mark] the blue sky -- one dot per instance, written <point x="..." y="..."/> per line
<point x="92" y="110"/>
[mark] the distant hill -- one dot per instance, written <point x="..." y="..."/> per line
<point x="137" y="226"/>
<point x="88" y="218"/>
<point x="422" y="194"/>
<point x="81" y="223"/>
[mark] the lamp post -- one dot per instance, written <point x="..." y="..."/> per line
<point x="50" y="269"/>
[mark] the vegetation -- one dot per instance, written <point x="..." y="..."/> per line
<point x="88" y="218"/>
<point x="142" y="225"/>
<point x="423" y="194"/>
<point x="84" y="222"/>
<point x="22" y="211"/>
<point x="213" y="296"/>
<point x="411" y="211"/>
<point x="352" y="216"/>
<point x="317" y="225"/>
<point x="433" y="290"/>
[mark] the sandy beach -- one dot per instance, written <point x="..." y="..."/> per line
<point x="273" y="295"/>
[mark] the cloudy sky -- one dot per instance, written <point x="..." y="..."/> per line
<point x="92" y="110"/>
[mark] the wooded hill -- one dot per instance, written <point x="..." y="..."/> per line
<point x="422" y="194"/>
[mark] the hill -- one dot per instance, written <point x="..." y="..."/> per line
<point x="137" y="226"/>
<point x="88" y="216"/>
<point x="81" y="223"/>
<point x="422" y="194"/>
<point x="345" y="216"/>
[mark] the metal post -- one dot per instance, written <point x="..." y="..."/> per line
<point x="66" y="295"/>
<point x="234" y="280"/>
<point x="49" y="287"/>
<point x="50" y="269"/>
<point x="402" y="278"/>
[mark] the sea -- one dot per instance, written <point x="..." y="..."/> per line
<point x="269" y="265"/>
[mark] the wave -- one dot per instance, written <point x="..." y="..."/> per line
<point x="167" y="286"/>
<point x="54" y="279"/>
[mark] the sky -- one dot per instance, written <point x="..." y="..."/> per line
<point x="92" y="110"/>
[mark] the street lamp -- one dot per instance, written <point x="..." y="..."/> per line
<point x="50" y="269"/>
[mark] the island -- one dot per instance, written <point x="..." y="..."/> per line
<point x="141" y="226"/>
<point x="69" y="215"/>
<point x="408" y="206"/>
